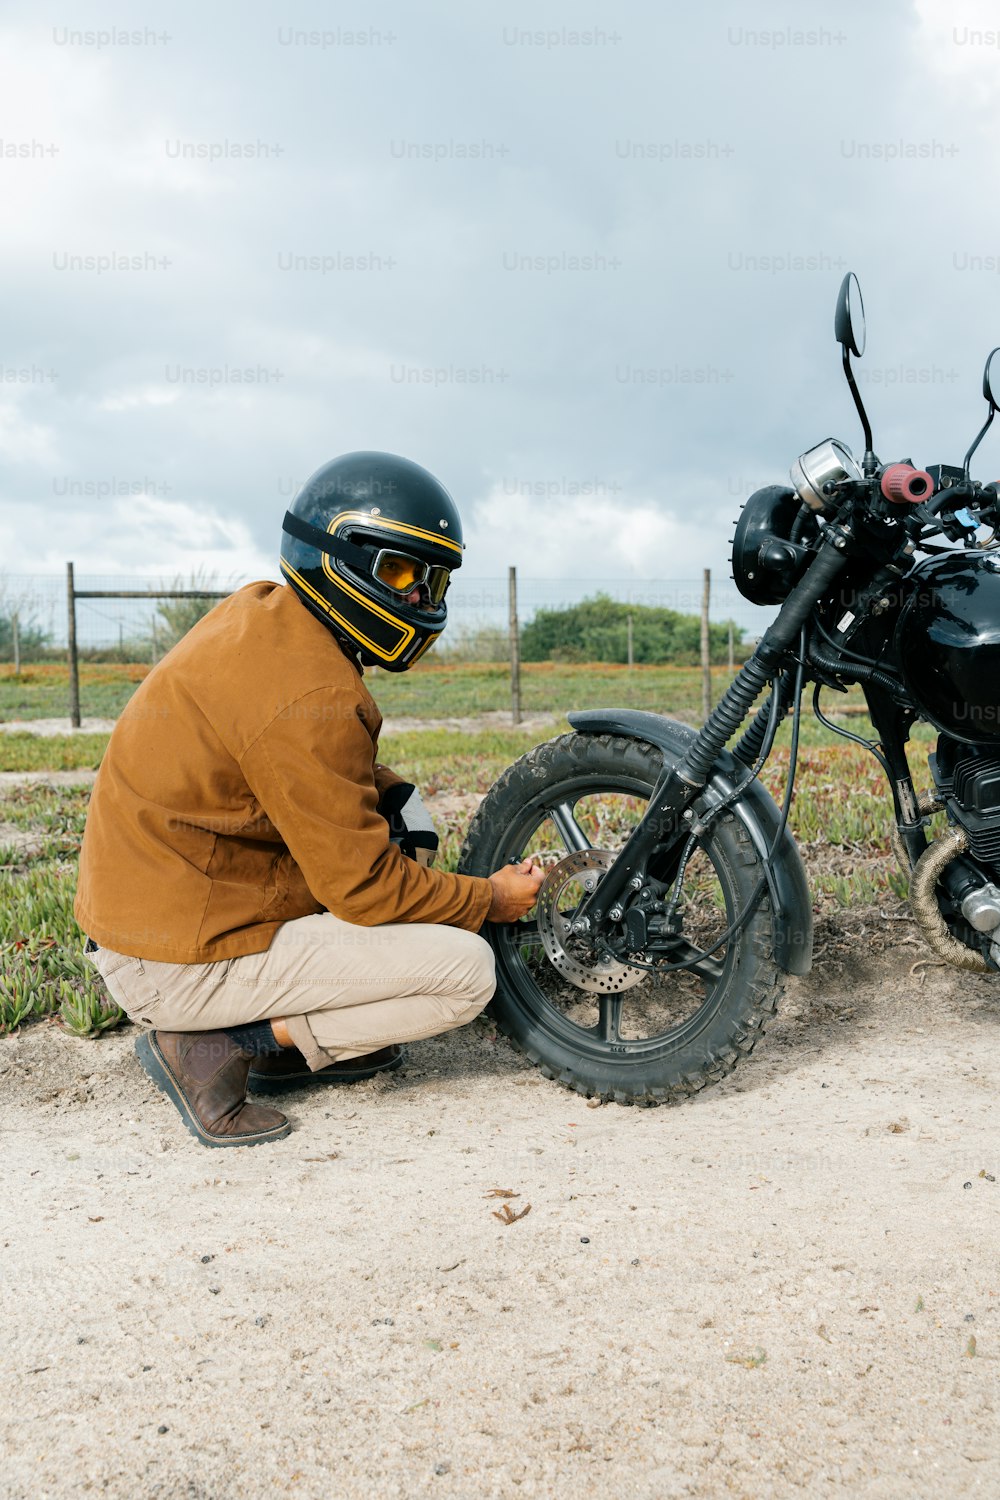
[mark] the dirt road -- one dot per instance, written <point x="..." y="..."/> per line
<point x="790" y="1285"/>
<point x="497" y="719"/>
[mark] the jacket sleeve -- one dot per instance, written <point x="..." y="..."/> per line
<point x="312" y="770"/>
<point x="384" y="779"/>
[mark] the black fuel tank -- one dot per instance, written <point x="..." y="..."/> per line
<point x="948" y="644"/>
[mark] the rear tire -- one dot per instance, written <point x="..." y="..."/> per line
<point x="674" y="1033"/>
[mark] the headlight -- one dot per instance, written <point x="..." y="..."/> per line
<point x="767" y="564"/>
<point x="831" y="460"/>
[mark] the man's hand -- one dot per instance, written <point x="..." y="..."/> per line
<point x="515" y="888"/>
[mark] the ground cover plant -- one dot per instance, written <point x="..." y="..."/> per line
<point x="435" y="690"/>
<point x="43" y="971"/>
<point x="841" y="815"/>
<point x="21" y="750"/>
<point x="41" y="690"/>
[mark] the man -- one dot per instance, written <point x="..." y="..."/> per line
<point x="239" y="883"/>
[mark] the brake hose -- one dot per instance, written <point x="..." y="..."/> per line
<point x="858" y="670"/>
<point x="844" y="651"/>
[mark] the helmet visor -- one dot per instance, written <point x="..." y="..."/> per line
<point x="403" y="573"/>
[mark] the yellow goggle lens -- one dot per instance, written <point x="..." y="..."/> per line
<point x="402" y="574"/>
<point x="399" y="572"/>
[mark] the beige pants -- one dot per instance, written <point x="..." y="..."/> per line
<point x="343" y="990"/>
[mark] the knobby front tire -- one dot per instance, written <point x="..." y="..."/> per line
<point x="670" y="1035"/>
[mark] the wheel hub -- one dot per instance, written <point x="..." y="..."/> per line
<point x="567" y="951"/>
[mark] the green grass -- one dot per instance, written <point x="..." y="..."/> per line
<point x="448" y="760"/>
<point x="430" y="691"/>
<point x="20" y="750"/>
<point x="42" y="969"/>
<point x="841" y="815"/>
<point x="472" y="753"/>
<point x="41" y="691"/>
<point x="434" y="691"/>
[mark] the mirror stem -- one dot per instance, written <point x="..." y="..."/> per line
<point x="978" y="440"/>
<point x="870" y="462"/>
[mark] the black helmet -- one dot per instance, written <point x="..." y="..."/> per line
<point x="365" y="532"/>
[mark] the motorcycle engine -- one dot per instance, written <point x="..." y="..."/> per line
<point x="948" y="644"/>
<point x="968" y="779"/>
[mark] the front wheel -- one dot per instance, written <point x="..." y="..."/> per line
<point x="598" y="1027"/>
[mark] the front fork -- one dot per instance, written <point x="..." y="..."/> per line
<point x="668" y="818"/>
<point x="891" y="723"/>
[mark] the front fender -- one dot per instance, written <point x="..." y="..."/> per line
<point x="756" y="809"/>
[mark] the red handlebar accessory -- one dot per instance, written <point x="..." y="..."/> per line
<point x="903" y="484"/>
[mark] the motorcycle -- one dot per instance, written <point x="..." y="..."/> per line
<point x="675" y="901"/>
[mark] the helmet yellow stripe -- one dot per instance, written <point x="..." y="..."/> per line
<point x="380" y="523"/>
<point x="383" y="523"/>
<point x="429" y="642"/>
<point x="350" y="628"/>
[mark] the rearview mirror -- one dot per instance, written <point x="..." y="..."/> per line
<point x="991" y="393"/>
<point x="991" y="379"/>
<point x="849" y="322"/>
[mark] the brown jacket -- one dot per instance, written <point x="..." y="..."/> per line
<point x="239" y="790"/>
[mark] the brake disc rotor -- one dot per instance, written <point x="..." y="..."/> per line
<point x="569" y="952"/>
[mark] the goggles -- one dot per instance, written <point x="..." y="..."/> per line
<point x="402" y="573"/>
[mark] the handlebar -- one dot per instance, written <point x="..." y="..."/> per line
<point x="902" y="484"/>
<point x="918" y="492"/>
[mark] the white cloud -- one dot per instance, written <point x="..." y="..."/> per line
<point x="151" y="395"/>
<point x="962" y="42"/>
<point x="563" y="535"/>
<point x="133" y="536"/>
<point x="25" y="442"/>
<point x="781" y="179"/>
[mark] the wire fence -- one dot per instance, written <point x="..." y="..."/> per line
<point x="135" y="627"/>
<point x="116" y="619"/>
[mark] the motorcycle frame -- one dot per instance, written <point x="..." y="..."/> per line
<point x="670" y="816"/>
<point x="682" y="800"/>
<point x="891" y="721"/>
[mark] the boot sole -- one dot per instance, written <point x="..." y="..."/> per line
<point x="153" y="1062"/>
<point x="262" y="1083"/>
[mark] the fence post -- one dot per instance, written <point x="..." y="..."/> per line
<point x="732" y="661"/>
<point x="706" y="659"/>
<point x="515" y="649"/>
<point x="631" y="649"/>
<point x="15" y="630"/>
<point x="74" y="664"/>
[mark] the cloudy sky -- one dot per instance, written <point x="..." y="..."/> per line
<point x="580" y="261"/>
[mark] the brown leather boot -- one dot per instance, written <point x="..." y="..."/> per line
<point x="205" y="1074"/>
<point x="289" y="1070"/>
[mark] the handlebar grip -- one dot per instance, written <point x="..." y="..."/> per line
<point x="903" y="484"/>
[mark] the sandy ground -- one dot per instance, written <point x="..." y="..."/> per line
<point x="790" y="1285"/>
<point x="52" y="778"/>
<point x="56" y="726"/>
<point x="471" y="724"/>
